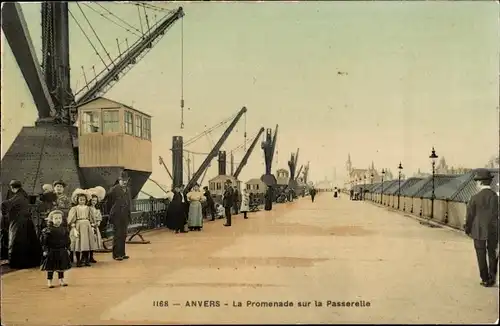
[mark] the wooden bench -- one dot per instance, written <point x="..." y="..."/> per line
<point x="140" y="222"/>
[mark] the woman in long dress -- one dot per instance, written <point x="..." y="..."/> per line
<point x="25" y="250"/>
<point x="176" y="215"/>
<point x="195" y="218"/>
<point x="245" y="203"/>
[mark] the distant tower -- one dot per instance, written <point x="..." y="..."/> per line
<point x="348" y="164"/>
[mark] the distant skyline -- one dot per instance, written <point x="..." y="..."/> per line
<point x="383" y="81"/>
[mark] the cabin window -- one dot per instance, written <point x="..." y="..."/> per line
<point x="211" y="186"/>
<point x="249" y="187"/>
<point x="129" y="123"/>
<point x="146" y="128"/>
<point x="219" y="187"/>
<point x="111" y="120"/>
<point x="91" y="122"/>
<point x="256" y="187"/>
<point x="138" y="126"/>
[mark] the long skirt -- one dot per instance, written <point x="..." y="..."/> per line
<point x="195" y="218"/>
<point x="98" y="238"/>
<point x="86" y="240"/>
<point x="176" y="217"/>
<point x="24" y="247"/>
<point x="57" y="260"/>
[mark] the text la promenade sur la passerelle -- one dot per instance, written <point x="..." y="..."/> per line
<point x="261" y="304"/>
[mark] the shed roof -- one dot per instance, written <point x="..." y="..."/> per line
<point x="375" y="186"/>
<point x="469" y="188"/>
<point x="254" y="181"/>
<point x="450" y="188"/>
<point x="405" y="184"/>
<point x="439" y="180"/>
<point x="117" y="103"/>
<point x="410" y="191"/>
<point x="223" y="178"/>
<point x="394" y="187"/>
<point x="385" y="185"/>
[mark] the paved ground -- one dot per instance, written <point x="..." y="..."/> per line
<point x="329" y="251"/>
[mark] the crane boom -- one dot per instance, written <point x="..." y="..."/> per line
<point x="213" y="153"/>
<point x="131" y="56"/>
<point x="168" y="171"/>
<point x="274" y="142"/>
<point x="298" y="173"/>
<point x="296" y="159"/>
<point x="244" y="160"/>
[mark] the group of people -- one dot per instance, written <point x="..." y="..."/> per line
<point x="68" y="227"/>
<point x="186" y="211"/>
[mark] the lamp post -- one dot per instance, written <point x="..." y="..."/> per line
<point x="382" y="192"/>
<point x="433" y="158"/>
<point x="400" y="168"/>
<point x="364" y="188"/>
<point x="371" y="190"/>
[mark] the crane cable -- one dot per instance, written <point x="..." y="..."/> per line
<point x="245" y="134"/>
<point x="182" y="73"/>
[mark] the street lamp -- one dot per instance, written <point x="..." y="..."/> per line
<point x="433" y="158"/>
<point x="382" y="192"/>
<point x="400" y="168"/>
<point x="364" y="188"/>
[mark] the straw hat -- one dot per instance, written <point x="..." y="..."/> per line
<point x="51" y="214"/>
<point x="98" y="191"/>
<point x="77" y="192"/>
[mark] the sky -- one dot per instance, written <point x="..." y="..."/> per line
<point x="413" y="75"/>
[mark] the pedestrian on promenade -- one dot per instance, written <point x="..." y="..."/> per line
<point x="228" y="201"/>
<point x="313" y="193"/>
<point x="119" y="200"/>
<point x="55" y="244"/>
<point x="482" y="226"/>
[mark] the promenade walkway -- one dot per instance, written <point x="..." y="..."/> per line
<point x="333" y="250"/>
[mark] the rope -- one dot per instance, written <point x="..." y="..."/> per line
<point x="109" y="19"/>
<point x="88" y="39"/>
<point x="245" y="134"/>
<point x="95" y="33"/>
<point x="123" y="21"/>
<point x="182" y="73"/>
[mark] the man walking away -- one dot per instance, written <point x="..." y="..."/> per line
<point x="210" y="205"/>
<point x="481" y="224"/>
<point x="227" y="202"/>
<point x="119" y="200"/>
<point x="313" y="193"/>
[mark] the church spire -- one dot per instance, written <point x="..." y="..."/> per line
<point x="348" y="164"/>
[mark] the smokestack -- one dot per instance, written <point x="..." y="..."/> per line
<point x="222" y="162"/>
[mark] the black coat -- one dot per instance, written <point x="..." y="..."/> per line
<point x="482" y="215"/>
<point x="55" y="243"/>
<point x="24" y="247"/>
<point x="228" y="197"/>
<point x="176" y="213"/>
<point x="119" y="202"/>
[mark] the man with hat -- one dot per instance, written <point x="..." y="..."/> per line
<point x="481" y="224"/>
<point x="63" y="202"/>
<point x="119" y="200"/>
<point x="228" y="201"/>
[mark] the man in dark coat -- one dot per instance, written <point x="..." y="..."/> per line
<point x="228" y="201"/>
<point x="481" y="224"/>
<point x="313" y="193"/>
<point x="119" y="200"/>
<point x="209" y="204"/>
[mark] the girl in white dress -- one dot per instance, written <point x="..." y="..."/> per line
<point x="81" y="221"/>
<point x="97" y="194"/>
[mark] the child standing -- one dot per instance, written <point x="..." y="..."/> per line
<point x="97" y="194"/>
<point x="220" y="211"/>
<point x="82" y="222"/>
<point x="55" y="244"/>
